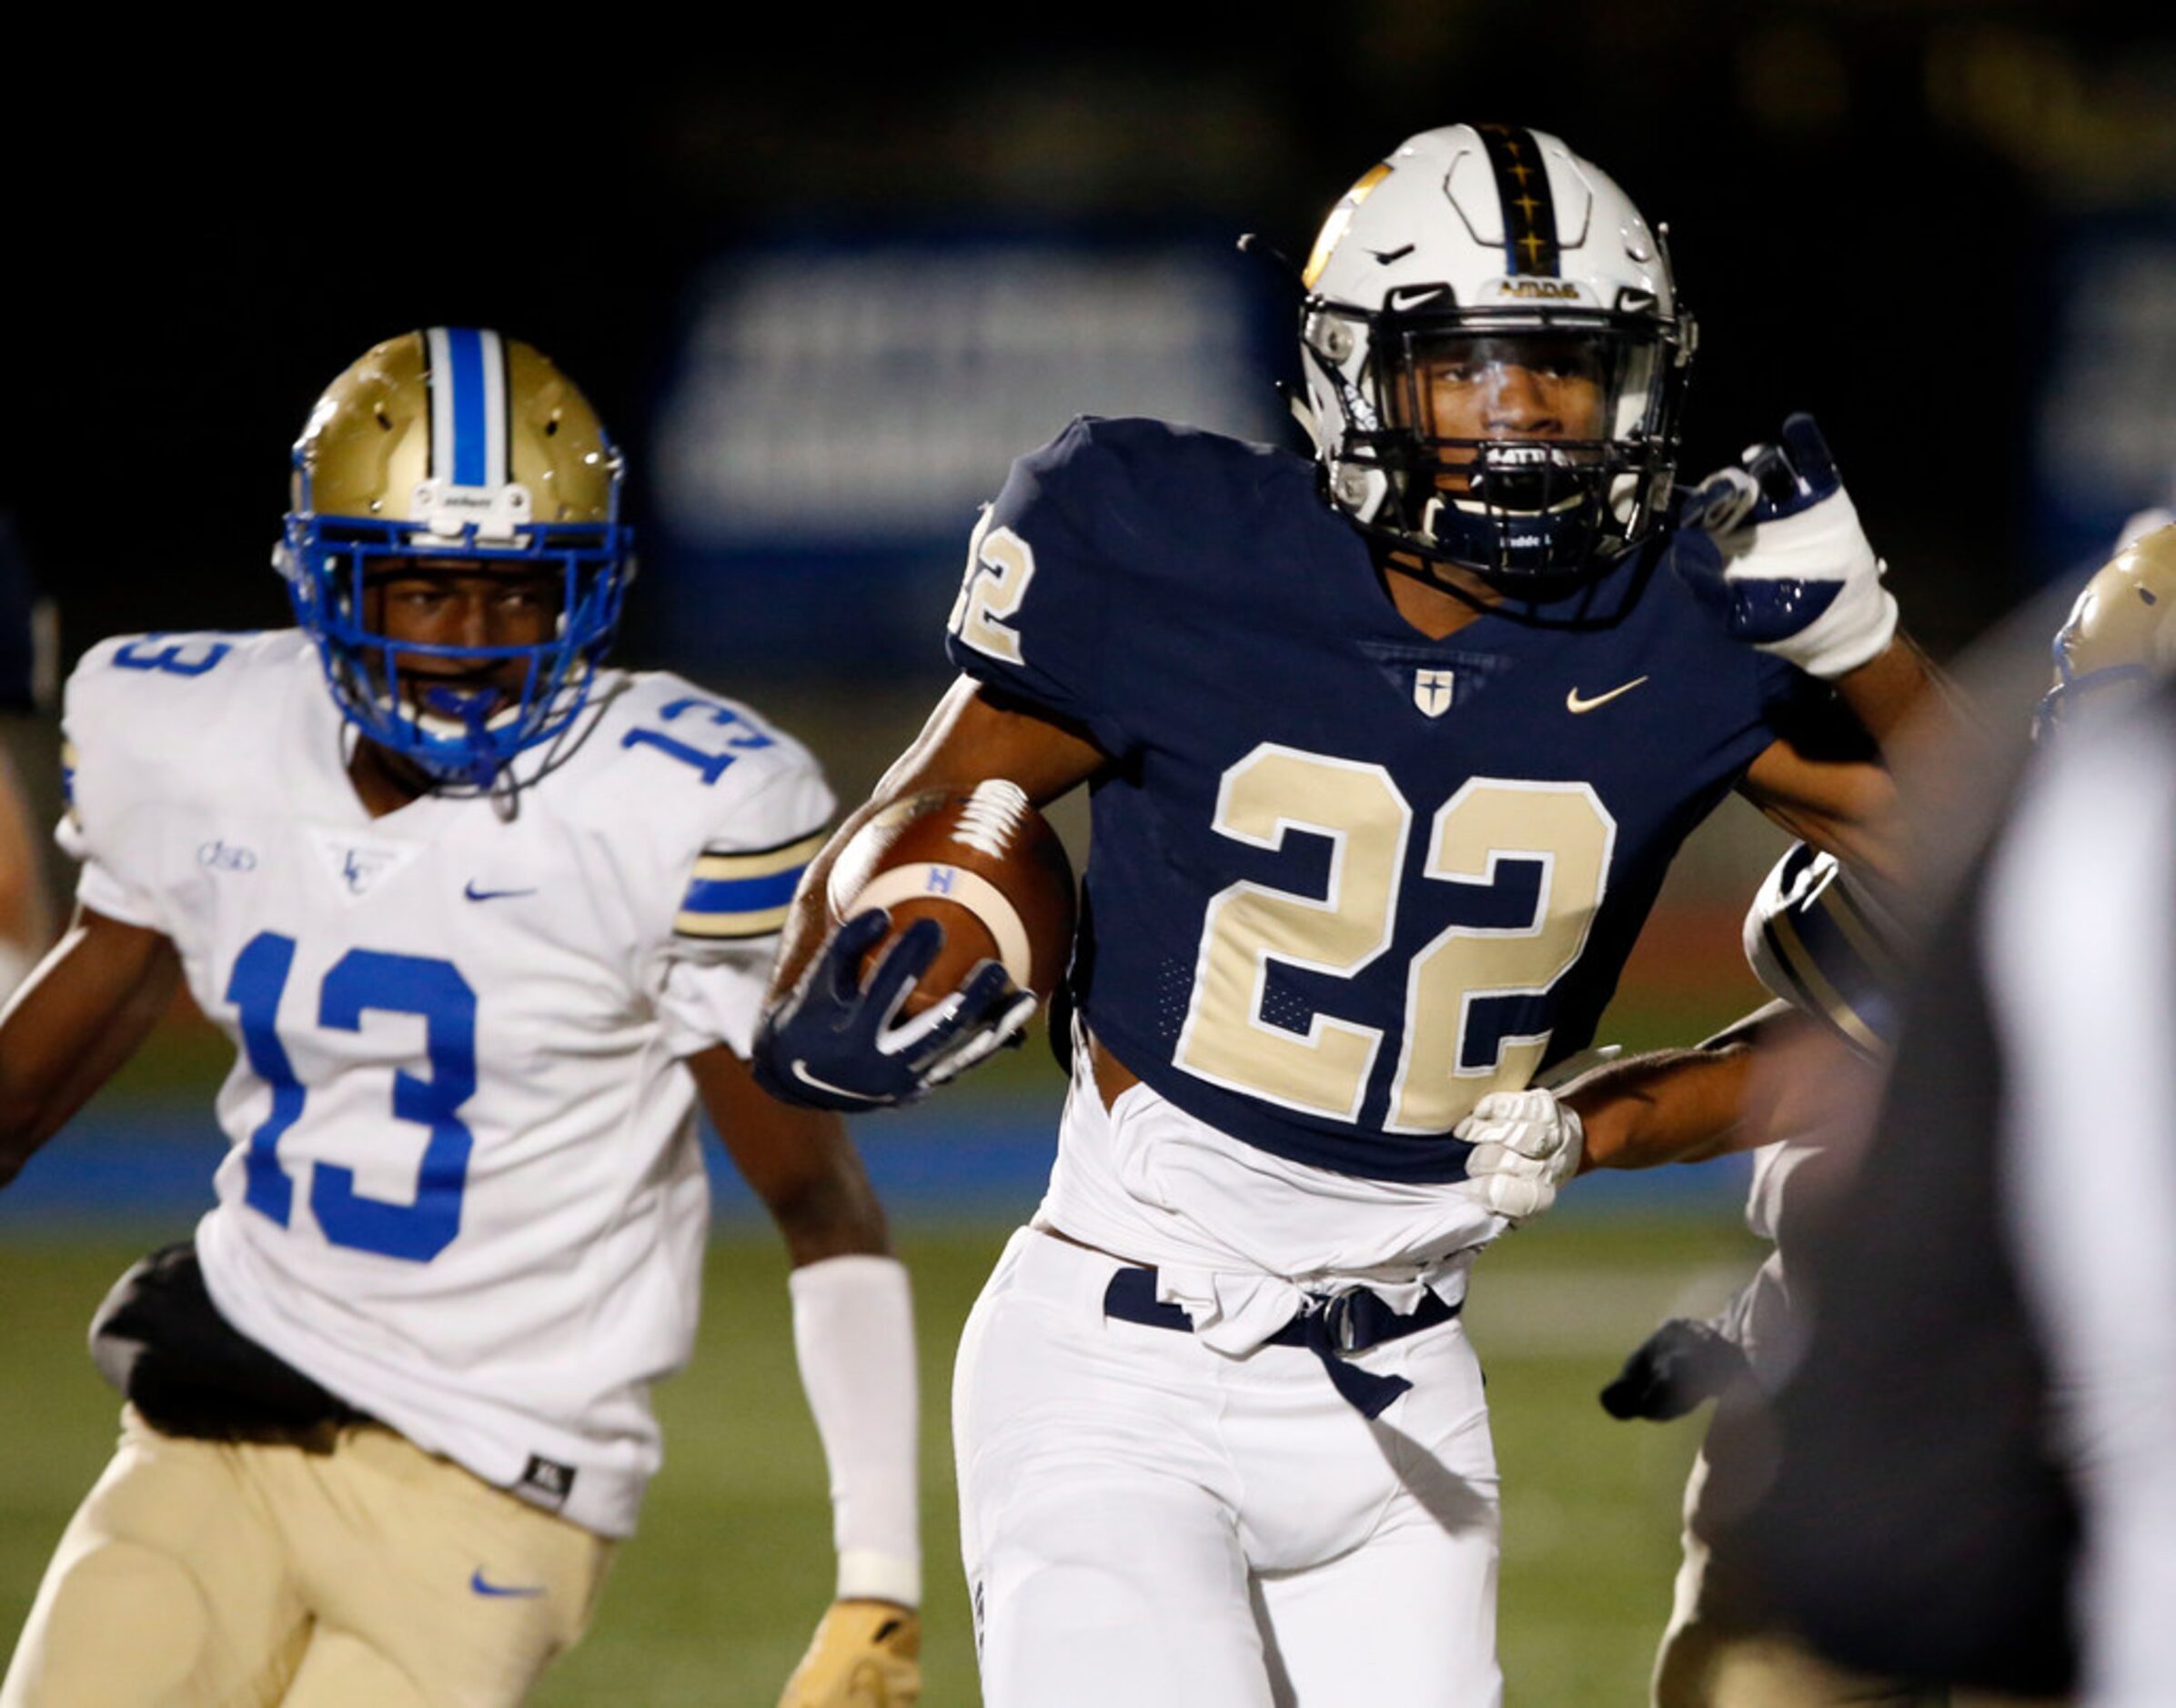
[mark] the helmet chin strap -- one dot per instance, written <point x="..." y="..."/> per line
<point x="1418" y="559"/>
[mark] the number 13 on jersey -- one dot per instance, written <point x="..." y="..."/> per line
<point x="1563" y="828"/>
<point x="360" y="981"/>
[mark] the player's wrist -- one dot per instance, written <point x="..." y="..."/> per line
<point x="853" y="1334"/>
<point x="870" y="1574"/>
<point x="1854" y="631"/>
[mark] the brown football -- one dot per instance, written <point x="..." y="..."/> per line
<point x="983" y="864"/>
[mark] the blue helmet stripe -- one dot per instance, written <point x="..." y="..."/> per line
<point x="465" y="363"/>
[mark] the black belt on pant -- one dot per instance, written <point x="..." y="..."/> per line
<point x="1329" y="1327"/>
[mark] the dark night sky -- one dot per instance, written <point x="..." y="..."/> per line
<point x="197" y="251"/>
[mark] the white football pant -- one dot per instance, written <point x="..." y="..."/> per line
<point x="1145" y="1520"/>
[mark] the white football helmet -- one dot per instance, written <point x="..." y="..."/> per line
<point x="1494" y="356"/>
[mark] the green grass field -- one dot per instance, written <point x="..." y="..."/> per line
<point x="712" y="1602"/>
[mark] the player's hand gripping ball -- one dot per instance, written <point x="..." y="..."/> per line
<point x="1774" y="548"/>
<point x="958" y="910"/>
<point x="984" y="865"/>
<point x="865" y="1654"/>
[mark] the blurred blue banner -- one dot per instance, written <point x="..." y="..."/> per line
<point x="961" y="1157"/>
<point x="2105" y="431"/>
<point x="839" y="408"/>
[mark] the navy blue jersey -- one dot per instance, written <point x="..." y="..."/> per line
<point x="1344" y="880"/>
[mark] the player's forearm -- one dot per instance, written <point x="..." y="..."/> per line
<point x="800" y="1163"/>
<point x="830" y="1213"/>
<point x="1674" y="1106"/>
<point x="1894" y="690"/>
<point x="853" y="1333"/>
<point x="74" y="1020"/>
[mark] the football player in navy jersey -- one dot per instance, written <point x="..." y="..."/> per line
<point x="1388" y="751"/>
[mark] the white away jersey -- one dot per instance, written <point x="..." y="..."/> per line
<point x="464" y="1191"/>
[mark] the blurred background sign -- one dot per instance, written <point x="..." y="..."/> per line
<point x="838" y="409"/>
<point x="2105" y="435"/>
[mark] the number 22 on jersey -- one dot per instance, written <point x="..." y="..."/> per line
<point x="1561" y="827"/>
<point x="361" y="981"/>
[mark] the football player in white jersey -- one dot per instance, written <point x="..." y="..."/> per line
<point x="484" y="919"/>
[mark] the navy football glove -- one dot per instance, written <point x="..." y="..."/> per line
<point x="1673" y="1370"/>
<point x="834" y="1045"/>
<point x="1775" y="550"/>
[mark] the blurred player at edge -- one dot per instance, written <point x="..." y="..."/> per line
<point x="28" y="643"/>
<point x="1974" y="1477"/>
<point x="1787" y="1083"/>
<point x="483" y="921"/>
<point x="1388" y="753"/>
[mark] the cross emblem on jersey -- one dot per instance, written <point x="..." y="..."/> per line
<point x="1432" y="691"/>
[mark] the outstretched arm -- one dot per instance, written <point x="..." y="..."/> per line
<point x="1894" y="690"/>
<point x="76" y="1020"/>
<point x="1774" y="548"/>
<point x="853" y="1335"/>
<point x="1832" y="786"/>
<point x="1775" y="1074"/>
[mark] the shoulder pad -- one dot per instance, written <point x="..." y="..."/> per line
<point x="154" y="695"/>
<point x="1178" y="472"/>
<point x="682" y="749"/>
<point x="729" y="808"/>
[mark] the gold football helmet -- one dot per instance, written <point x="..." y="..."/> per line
<point x="2122" y="628"/>
<point x="455" y="444"/>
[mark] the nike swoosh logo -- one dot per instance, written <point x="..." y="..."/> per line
<point x="802" y="1073"/>
<point x="478" y="1583"/>
<point x="474" y="894"/>
<point x="1573" y="703"/>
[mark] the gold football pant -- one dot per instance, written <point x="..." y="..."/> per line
<point x="354" y="1570"/>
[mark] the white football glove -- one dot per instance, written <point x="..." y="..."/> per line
<point x="865" y="1654"/>
<point x="1526" y="1145"/>
<point x="1775" y="549"/>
